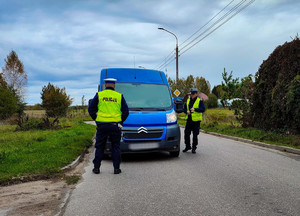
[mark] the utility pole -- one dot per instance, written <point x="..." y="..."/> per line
<point x="176" y="51"/>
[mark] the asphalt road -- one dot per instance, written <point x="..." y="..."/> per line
<point x="225" y="177"/>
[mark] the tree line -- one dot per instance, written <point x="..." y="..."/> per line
<point x="272" y="100"/>
<point x="269" y="100"/>
<point x="13" y="81"/>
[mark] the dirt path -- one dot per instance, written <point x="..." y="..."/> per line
<point x="32" y="198"/>
<point x="45" y="197"/>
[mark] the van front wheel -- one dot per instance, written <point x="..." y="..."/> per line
<point x="174" y="154"/>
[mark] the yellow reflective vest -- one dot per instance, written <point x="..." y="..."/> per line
<point x="196" y="116"/>
<point x="109" y="106"/>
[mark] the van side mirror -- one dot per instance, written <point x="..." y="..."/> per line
<point x="178" y="105"/>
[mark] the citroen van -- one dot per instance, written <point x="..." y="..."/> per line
<point x="152" y="122"/>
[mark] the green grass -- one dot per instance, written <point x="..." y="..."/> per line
<point x="41" y="153"/>
<point x="72" y="179"/>
<point x="223" y="121"/>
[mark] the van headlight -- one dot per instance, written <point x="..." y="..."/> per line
<point x="171" y="117"/>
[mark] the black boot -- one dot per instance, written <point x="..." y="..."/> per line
<point x="194" y="150"/>
<point x="186" y="149"/>
<point x="96" y="170"/>
<point x="117" y="171"/>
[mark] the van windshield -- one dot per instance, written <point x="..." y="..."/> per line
<point x="140" y="96"/>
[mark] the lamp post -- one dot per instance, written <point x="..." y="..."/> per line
<point x="176" y="51"/>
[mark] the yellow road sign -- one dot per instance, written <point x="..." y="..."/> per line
<point x="176" y="92"/>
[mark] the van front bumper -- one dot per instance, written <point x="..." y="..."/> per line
<point x="169" y="141"/>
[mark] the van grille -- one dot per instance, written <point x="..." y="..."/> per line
<point x="149" y="134"/>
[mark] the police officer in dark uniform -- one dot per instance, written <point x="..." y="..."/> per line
<point x="193" y="108"/>
<point x="109" y="109"/>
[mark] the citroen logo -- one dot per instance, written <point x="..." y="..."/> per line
<point x="142" y="129"/>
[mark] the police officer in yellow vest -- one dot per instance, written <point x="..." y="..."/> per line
<point x="193" y="109"/>
<point x="109" y="109"/>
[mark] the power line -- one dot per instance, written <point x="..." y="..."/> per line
<point x="163" y="62"/>
<point x="168" y="59"/>
<point x="207" y="22"/>
<point x="249" y="3"/>
<point x="216" y="22"/>
<point x="184" y="49"/>
<point x="167" y="62"/>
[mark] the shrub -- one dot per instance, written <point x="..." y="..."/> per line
<point x="25" y="123"/>
<point x="275" y="102"/>
<point x="55" y="100"/>
<point x="212" y="101"/>
<point x="293" y="104"/>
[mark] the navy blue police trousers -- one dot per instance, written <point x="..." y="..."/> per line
<point x="112" y="132"/>
<point x="191" y="126"/>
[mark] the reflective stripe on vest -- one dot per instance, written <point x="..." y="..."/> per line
<point x="196" y="116"/>
<point x="109" y="106"/>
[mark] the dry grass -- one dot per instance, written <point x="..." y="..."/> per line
<point x="35" y="113"/>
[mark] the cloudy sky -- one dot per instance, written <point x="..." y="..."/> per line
<point x="68" y="42"/>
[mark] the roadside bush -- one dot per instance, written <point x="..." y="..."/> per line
<point x="212" y="101"/>
<point x="241" y="111"/>
<point x="276" y="98"/>
<point x="37" y="107"/>
<point x="25" y="123"/>
<point x="293" y="104"/>
<point x="55" y="101"/>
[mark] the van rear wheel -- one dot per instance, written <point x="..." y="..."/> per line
<point x="174" y="154"/>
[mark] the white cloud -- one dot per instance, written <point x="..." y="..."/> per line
<point x="68" y="42"/>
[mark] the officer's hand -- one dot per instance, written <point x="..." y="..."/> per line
<point x="193" y="109"/>
<point x="188" y="112"/>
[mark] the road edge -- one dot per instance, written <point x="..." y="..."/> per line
<point x="261" y="144"/>
<point x="64" y="203"/>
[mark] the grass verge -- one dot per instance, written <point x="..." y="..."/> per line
<point x="223" y="121"/>
<point x="40" y="154"/>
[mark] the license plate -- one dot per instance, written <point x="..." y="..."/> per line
<point x="143" y="146"/>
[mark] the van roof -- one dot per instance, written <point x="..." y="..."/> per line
<point x="134" y="75"/>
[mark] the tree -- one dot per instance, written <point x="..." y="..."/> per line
<point x="202" y="85"/>
<point x="218" y="91"/>
<point x="230" y="87"/>
<point x="16" y="79"/>
<point x="212" y="101"/>
<point x="14" y="73"/>
<point x="20" y="103"/>
<point x="276" y="90"/>
<point x="241" y="92"/>
<point x="55" y="100"/>
<point x="293" y="104"/>
<point x="37" y="107"/>
<point x="185" y="85"/>
<point x="241" y="106"/>
<point x="8" y="103"/>
<point x="3" y="83"/>
<point x="188" y="84"/>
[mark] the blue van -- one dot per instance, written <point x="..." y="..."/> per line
<point x="152" y="122"/>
